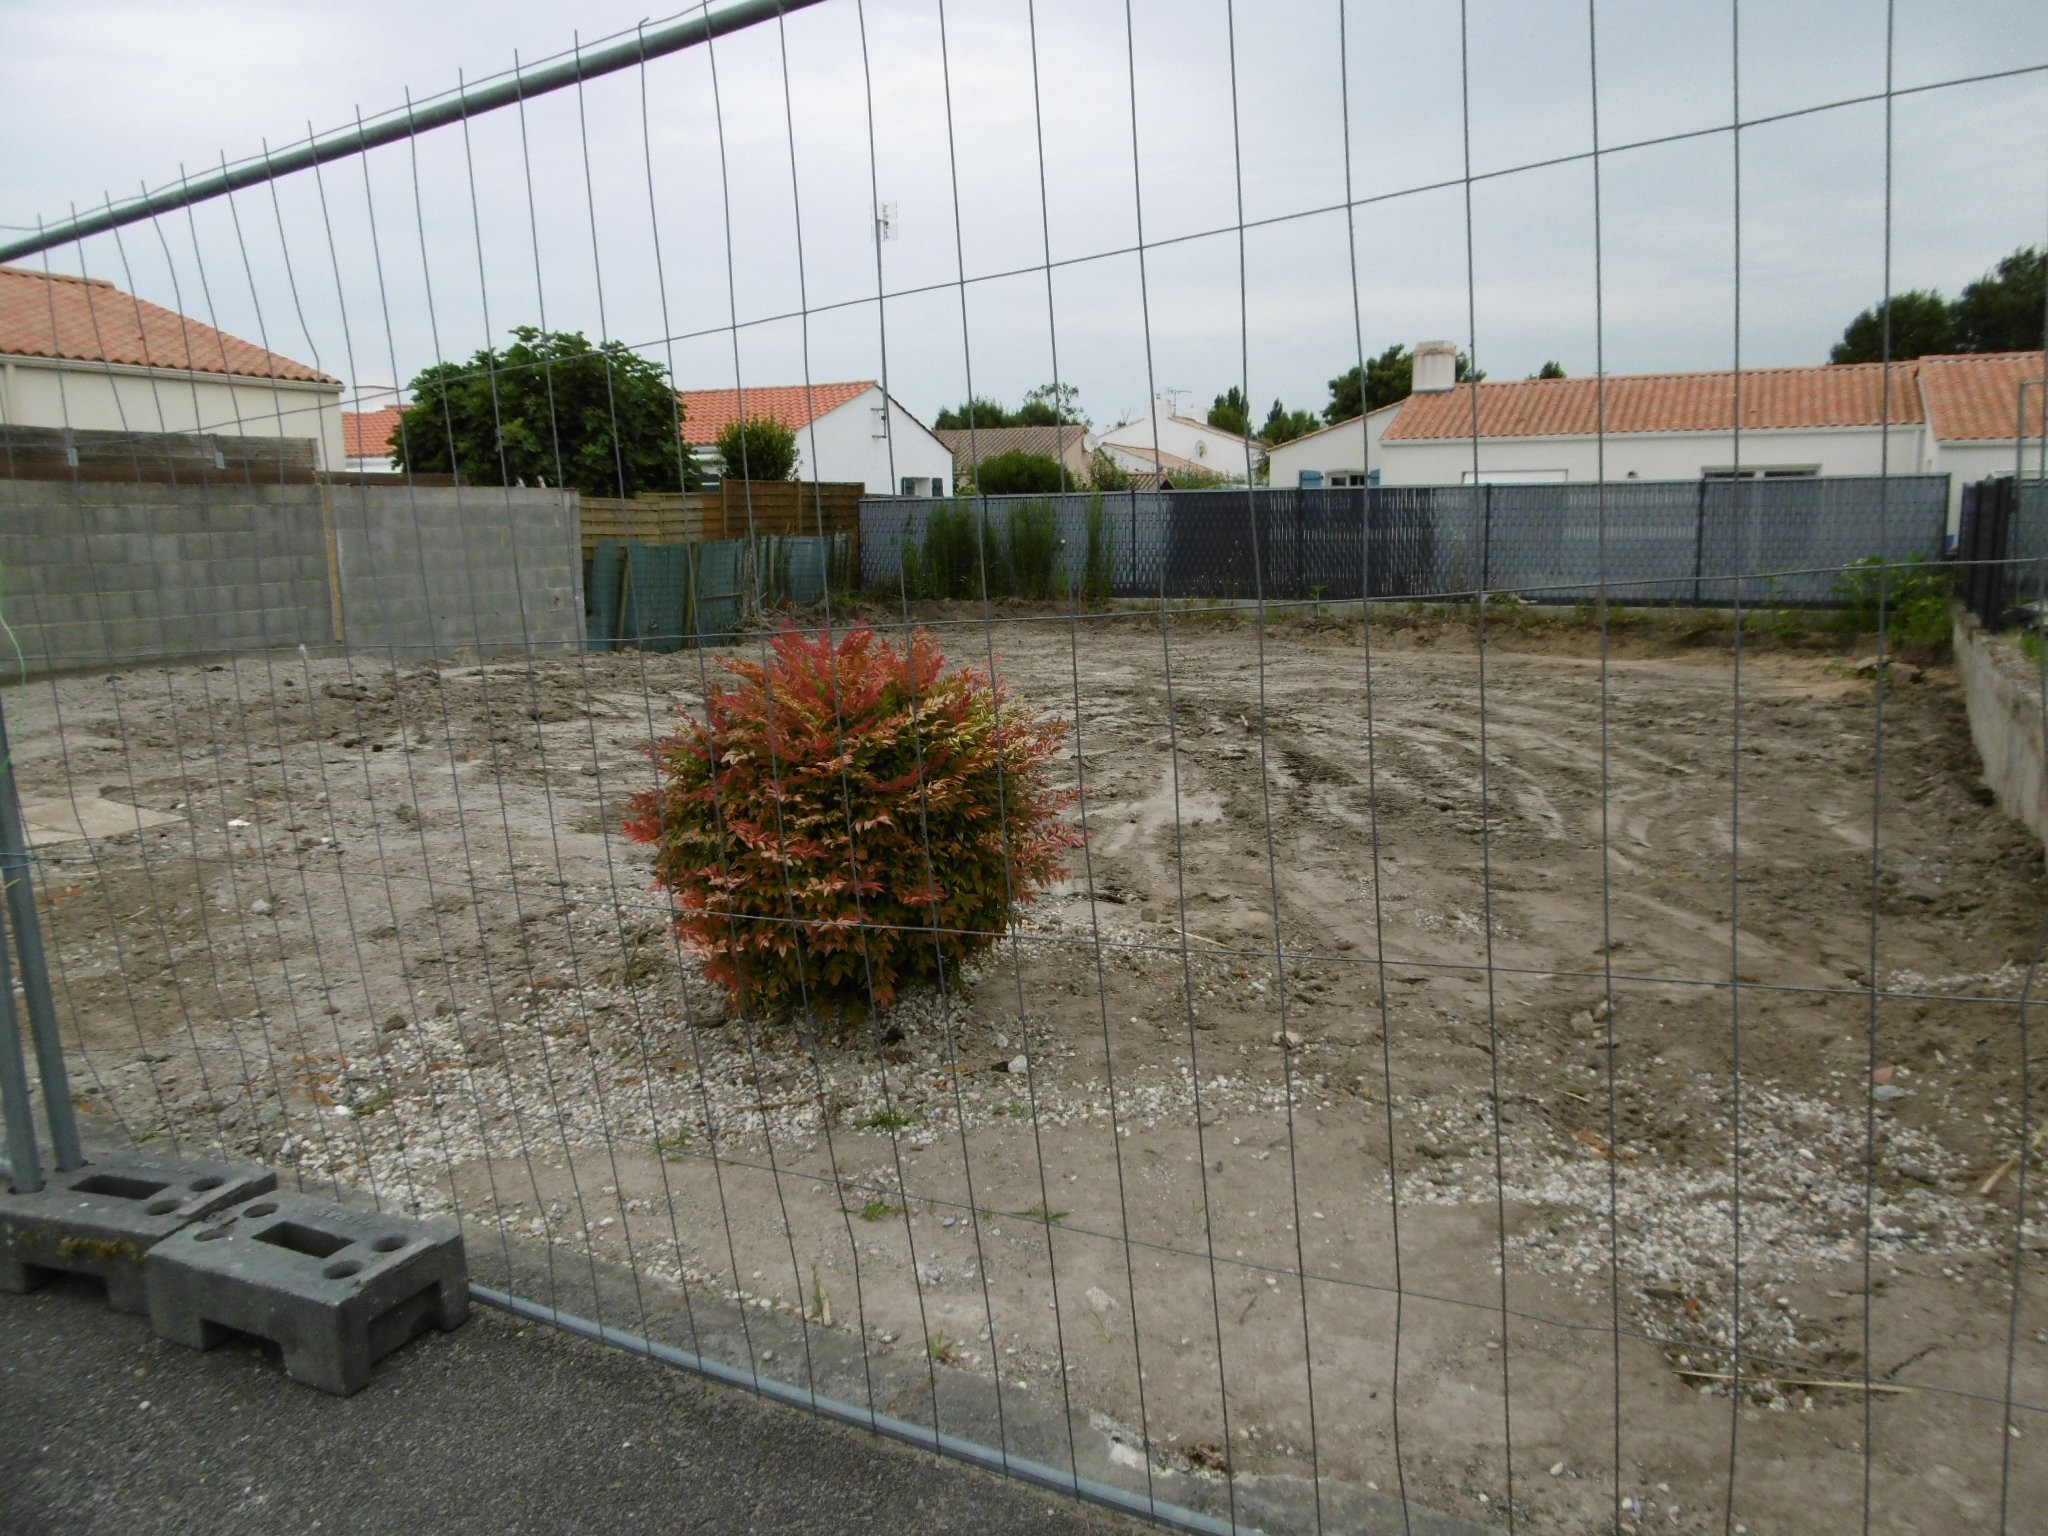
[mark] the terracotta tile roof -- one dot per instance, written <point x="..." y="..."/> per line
<point x="1835" y="395"/>
<point x="991" y="441"/>
<point x="1977" y="398"/>
<point x="1171" y="463"/>
<point x="90" y="320"/>
<point x="369" y="434"/>
<point x="707" y="412"/>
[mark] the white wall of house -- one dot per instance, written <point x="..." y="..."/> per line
<point x="1637" y="456"/>
<point x="1337" y="453"/>
<point x="1219" y="452"/>
<point x="852" y="443"/>
<point x="98" y="397"/>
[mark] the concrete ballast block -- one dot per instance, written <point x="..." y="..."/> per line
<point x="104" y="1218"/>
<point x="336" y="1289"/>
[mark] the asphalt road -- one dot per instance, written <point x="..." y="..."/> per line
<point x="502" y="1428"/>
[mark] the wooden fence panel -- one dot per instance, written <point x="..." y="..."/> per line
<point x="736" y="508"/>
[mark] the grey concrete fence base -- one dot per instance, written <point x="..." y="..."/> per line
<point x="336" y="1289"/>
<point x="103" y="1219"/>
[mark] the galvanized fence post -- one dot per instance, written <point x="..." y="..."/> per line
<point x="35" y="990"/>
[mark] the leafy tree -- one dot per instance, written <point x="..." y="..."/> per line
<point x="976" y="412"/>
<point x="1550" y="370"/>
<point x="2002" y="311"/>
<point x="1283" y="425"/>
<point x="1923" y="322"/>
<point x="1050" y="405"/>
<point x="1388" y="378"/>
<point x="551" y="409"/>
<point x="1105" y="474"/>
<point x="1016" y="473"/>
<point x="758" y="449"/>
<point x="1231" y="413"/>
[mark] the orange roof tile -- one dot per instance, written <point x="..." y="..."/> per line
<point x="369" y="434"/>
<point x="707" y="412"/>
<point x="90" y="320"/>
<point x="1977" y="397"/>
<point x="1773" y="399"/>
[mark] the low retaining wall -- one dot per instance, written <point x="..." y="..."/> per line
<point x="93" y="574"/>
<point x="2002" y="690"/>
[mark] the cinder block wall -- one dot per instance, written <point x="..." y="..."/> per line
<point x="434" y="570"/>
<point x="94" y="574"/>
<point x="98" y="573"/>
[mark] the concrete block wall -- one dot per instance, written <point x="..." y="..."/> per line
<point x="92" y="574"/>
<point x="97" y="574"/>
<point x="435" y="570"/>
<point x="2002" y="692"/>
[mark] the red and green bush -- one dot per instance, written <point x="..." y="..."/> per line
<point x="851" y="819"/>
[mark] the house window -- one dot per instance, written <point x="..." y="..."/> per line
<point x="1760" y="472"/>
<point x="938" y="485"/>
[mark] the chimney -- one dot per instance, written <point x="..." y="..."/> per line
<point x="1436" y="367"/>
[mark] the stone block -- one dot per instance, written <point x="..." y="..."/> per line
<point x="104" y="1218"/>
<point x="335" y="1288"/>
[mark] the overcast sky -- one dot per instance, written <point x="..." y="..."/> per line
<point x="417" y="259"/>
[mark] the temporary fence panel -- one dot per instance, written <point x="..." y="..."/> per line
<point x="1480" y="1054"/>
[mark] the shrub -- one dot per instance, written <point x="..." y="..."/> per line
<point x="1019" y="474"/>
<point x="948" y="562"/>
<point x="1105" y="474"/>
<point x="1916" y="597"/>
<point x="1034" y="551"/>
<point x="1099" y="565"/>
<point x="758" y="449"/>
<point x="850" y="819"/>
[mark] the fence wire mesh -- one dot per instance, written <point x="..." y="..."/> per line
<point x="1533" y="1027"/>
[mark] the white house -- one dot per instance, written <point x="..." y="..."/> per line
<point x="1162" y="439"/>
<point x="78" y="354"/>
<point x="844" y="432"/>
<point x="1954" y="415"/>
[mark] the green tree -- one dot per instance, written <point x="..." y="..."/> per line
<point x="1283" y="425"/>
<point x="1015" y="474"/>
<point x="975" y="412"/>
<point x="1105" y="474"/>
<point x="551" y="409"/>
<point x="1923" y="322"/>
<point x="2002" y="311"/>
<point x="758" y="449"/>
<point x="1231" y="413"/>
<point x="1550" y="370"/>
<point x="1388" y="378"/>
<point x="1050" y="405"/>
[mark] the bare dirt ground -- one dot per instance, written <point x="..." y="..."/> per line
<point x="1223" y="1136"/>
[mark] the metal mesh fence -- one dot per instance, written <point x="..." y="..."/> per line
<point x="1701" y="542"/>
<point x="1475" y="1055"/>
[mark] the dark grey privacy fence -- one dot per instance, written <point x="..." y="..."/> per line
<point x="1700" y="542"/>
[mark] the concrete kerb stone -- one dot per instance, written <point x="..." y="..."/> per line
<point x="336" y="1289"/>
<point x="104" y="1218"/>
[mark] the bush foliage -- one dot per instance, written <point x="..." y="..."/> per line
<point x="851" y="819"/>
<point x="1020" y="474"/>
<point x="758" y="448"/>
<point x="551" y="409"/>
<point x="1915" y="598"/>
